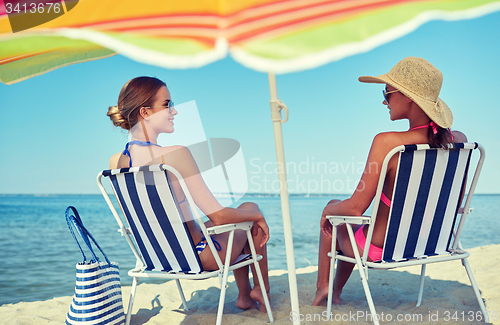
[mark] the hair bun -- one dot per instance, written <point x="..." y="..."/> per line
<point x="117" y="118"/>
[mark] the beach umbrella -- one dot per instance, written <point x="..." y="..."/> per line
<point x="273" y="36"/>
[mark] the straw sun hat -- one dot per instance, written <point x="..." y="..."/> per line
<point x="419" y="80"/>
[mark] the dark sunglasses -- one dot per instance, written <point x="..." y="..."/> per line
<point x="170" y="105"/>
<point x="385" y="93"/>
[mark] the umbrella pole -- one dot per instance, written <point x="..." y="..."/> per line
<point x="276" y="107"/>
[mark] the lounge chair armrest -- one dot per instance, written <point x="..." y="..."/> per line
<point x="338" y="220"/>
<point x="231" y="226"/>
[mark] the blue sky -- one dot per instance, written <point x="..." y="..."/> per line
<point x="56" y="136"/>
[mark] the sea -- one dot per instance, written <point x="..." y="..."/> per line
<point x="38" y="253"/>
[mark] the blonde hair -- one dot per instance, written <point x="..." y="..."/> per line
<point x="136" y="93"/>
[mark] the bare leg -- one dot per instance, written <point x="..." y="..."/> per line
<point x="256" y="293"/>
<point x="344" y="269"/>
<point x="325" y="244"/>
<point x="247" y="297"/>
<point x="244" y="301"/>
<point x="342" y="274"/>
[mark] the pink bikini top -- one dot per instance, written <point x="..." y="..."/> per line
<point x="434" y="127"/>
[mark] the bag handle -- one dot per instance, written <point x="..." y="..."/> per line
<point x="76" y="222"/>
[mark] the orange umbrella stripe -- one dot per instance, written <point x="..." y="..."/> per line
<point x="24" y="56"/>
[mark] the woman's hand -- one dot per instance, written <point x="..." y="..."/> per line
<point x="262" y="224"/>
<point x="329" y="210"/>
<point x="325" y="224"/>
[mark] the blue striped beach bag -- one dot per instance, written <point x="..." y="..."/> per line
<point x="98" y="293"/>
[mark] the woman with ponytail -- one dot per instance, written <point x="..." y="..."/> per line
<point x="145" y="108"/>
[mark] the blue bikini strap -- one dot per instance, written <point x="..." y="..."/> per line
<point x="216" y="244"/>
<point x="141" y="143"/>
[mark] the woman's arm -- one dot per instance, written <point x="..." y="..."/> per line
<point x="113" y="162"/>
<point x="181" y="159"/>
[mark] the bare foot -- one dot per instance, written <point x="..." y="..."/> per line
<point x="256" y="295"/>
<point x="246" y="302"/>
<point x="336" y="299"/>
<point x="322" y="296"/>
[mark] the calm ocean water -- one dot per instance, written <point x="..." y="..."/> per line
<point x="39" y="253"/>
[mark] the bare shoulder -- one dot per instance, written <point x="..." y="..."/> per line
<point x="387" y="140"/>
<point x="459" y="137"/>
<point x="382" y="144"/>
<point x="176" y="151"/>
<point x="174" y="148"/>
<point x="180" y="158"/>
<point x="113" y="162"/>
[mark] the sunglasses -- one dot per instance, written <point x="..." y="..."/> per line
<point x="385" y="93"/>
<point x="170" y="105"/>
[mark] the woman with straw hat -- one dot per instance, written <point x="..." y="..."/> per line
<point x="412" y="90"/>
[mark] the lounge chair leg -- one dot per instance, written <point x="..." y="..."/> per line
<point x="181" y="293"/>
<point x="131" y="300"/>
<point x="223" y="287"/>
<point x="421" y="288"/>
<point x="465" y="263"/>
<point x="332" y="270"/>
<point x="363" y="274"/>
<point x="369" y="299"/>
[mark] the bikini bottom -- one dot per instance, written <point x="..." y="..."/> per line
<point x="203" y="243"/>
<point x="374" y="252"/>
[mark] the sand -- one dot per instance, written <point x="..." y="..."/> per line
<point x="448" y="298"/>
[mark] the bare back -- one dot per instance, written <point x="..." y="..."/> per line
<point x="392" y="140"/>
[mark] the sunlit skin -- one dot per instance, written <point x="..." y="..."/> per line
<point x="157" y="120"/>
<point x="400" y="108"/>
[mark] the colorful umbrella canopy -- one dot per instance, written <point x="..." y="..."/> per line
<point x="278" y="35"/>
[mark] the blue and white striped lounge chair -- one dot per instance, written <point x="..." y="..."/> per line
<point x="423" y="226"/>
<point x="164" y="247"/>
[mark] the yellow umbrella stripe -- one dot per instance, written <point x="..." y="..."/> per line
<point x="235" y="27"/>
